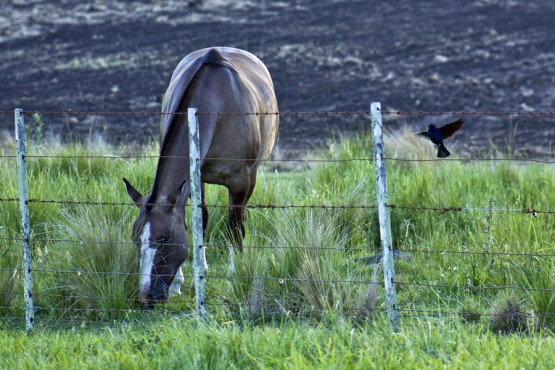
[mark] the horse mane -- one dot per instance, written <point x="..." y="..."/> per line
<point x="180" y="83"/>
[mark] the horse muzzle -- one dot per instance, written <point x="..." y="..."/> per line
<point x="159" y="293"/>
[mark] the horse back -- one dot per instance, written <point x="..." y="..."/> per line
<point x="222" y="80"/>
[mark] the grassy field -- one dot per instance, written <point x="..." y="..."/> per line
<point x="334" y="343"/>
<point x="476" y="290"/>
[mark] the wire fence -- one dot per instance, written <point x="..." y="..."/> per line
<point x="49" y="303"/>
<point x="294" y="113"/>
<point x="529" y="211"/>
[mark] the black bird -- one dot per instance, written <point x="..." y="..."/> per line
<point x="437" y="135"/>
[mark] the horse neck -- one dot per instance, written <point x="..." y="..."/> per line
<point x="173" y="164"/>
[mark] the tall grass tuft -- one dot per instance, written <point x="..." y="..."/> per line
<point x="537" y="276"/>
<point x="11" y="295"/>
<point x="102" y="264"/>
<point x="305" y="272"/>
<point x="508" y="316"/>
<point x="10" y="279"/>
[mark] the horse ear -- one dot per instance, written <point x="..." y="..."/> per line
<point x="175" y="197"/>
<point x="133" y="193"/>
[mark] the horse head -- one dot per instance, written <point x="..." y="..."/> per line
<point x="160" y="235"/>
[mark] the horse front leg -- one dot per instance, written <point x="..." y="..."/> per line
<point x="236" y="216"/>
<point x="204" y="211"/>
<point x="236" y="219"/>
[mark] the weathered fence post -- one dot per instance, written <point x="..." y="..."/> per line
<point x="25" y="220"/>
<point x="383" y="214"/>
<point x="199" y="250"/>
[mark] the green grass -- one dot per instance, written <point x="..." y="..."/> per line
<point x="292" y="303"/>
<point x="335" y="343"/>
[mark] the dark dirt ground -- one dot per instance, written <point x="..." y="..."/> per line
<point x="115" y="55"/>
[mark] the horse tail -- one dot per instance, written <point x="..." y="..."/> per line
<point x="214" y="57"/>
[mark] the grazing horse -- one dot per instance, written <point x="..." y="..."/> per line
<point x="232" y="146"/>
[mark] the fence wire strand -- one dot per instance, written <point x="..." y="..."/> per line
<point x="531" y="211"/>
<point x="466" y="113"/>
<point x="474" y="287"/>
<point x="384" y="112"/>
<point x="478" y="253"/>
<point x="468" y="160"/>
<point x="291" y="160"/>
<point x="297" y="247"/>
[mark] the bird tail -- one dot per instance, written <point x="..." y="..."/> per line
<point x="442" y="151"/>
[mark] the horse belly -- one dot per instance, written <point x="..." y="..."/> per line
<point x="226" y="173"/>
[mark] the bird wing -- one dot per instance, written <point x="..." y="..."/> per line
<point x="450" y="128"/>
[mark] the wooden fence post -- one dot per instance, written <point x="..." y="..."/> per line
<point x="383" y="214"/>
<point x="199" y="250"/>
<point x="25" y="221"/>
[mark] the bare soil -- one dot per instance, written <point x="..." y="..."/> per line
<point x="335" y="55"/>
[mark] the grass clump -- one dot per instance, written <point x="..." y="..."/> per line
<point x="508" y="316"/>
<point x="10" y="244"/>
<point x="101" y="266"/>
<point x="10" y="279"/>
